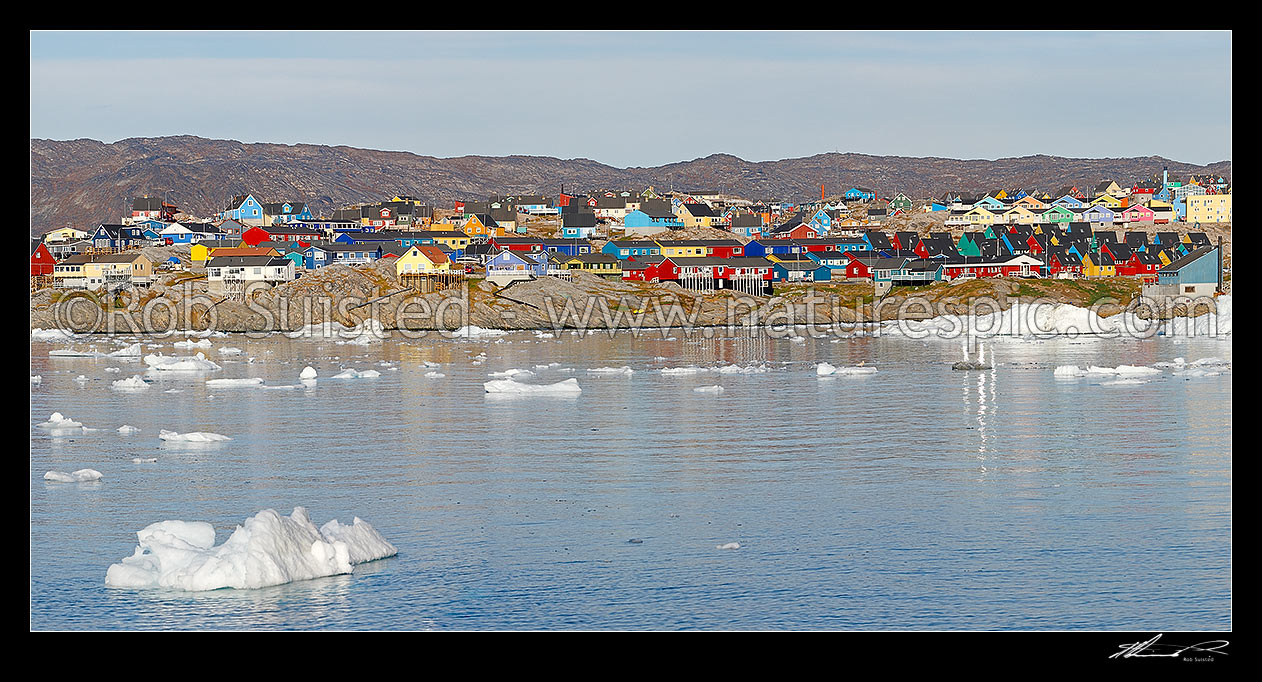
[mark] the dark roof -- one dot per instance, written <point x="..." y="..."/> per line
<point x="1193" y="256"/>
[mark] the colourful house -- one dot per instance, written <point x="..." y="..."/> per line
<point x="422" y="260"/>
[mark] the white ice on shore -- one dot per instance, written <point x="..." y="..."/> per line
<point x="268" y="549"/>
<point x="135" y="383"/>
<point x="80" y="476"/>
<point x="473" y="331"/>
<point x="192" y="437"/>
<point x="308" y="373"/>
<point x="566" y="387"/>
<point x="181" y="363"/>
<point x="51" y="335"/>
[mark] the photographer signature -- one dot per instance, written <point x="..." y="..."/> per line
<point x="1155" y="650"/>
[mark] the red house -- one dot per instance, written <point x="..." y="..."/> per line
<point x="255" y="235"/>
<point x="42" y="261"/>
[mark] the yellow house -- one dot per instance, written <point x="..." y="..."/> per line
<point x="1108" y="200"/>
<point x="422" y="260"/>
<point x="65" y="234"/>
<point x="979" y="215"/>
<point x="456" y="241"/>
<point x="1209" y="208"/>
<point x="92" y="271"/>
<point x="1003" y="194"/>
<point x="696" y="215"/>
<point x="596" y="263"/>
<point x="1020" y="215"/>
<point x="1110" y="188"/>
<point x="686" y="248"/>
<point x="1098" y="265"/>
<point x="1164" y="257"/>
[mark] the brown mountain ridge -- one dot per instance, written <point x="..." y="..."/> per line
<point x="86" y="182"/>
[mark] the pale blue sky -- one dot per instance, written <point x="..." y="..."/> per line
<point x="646" y="99"/>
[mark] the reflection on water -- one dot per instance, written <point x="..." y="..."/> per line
<point x="917" y="497"/>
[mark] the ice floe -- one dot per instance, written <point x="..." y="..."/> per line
<point x="472" y="331"/>
<point x="511" y="373"/>
<point x="128" y="429"/>
<point x="135" y="383"/>
<point x="230" y="383"/>
<point x="180" y="363"/>
<point x="229" y="351"/>
<point x="825" y="369"/>
<point x="36" y="379"/>
<point x="59" y="421"/>
<point x="308" y="373"/>
<point x="566" y="387"/>
<point x="708" y="389"/>
<point x="730" y="545"/>
<point x="355" y="374"/>
<point x="434" y="375"/>
<point x="267" y="549"/>
<point x="51" y="335"/>
<point x="192" y="437"/>
<point x="204" y="343"/>
<point x="623" y="371"/>
<point x="80" y="476"/>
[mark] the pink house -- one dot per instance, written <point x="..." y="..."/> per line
<point x="1136" y="213"/>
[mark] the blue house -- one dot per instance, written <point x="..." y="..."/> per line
<point x="287" y="212"/>
<point x="244" y="209"/>
<point x="1069" y="201"/>
<point x="860" y="194"/>
<point x="320" y="255"/>
<point x="645" y="223"/>
<point x="569" y="247"/>
<point x="1098" y="214"/>
<point x="578" y="224"/>
<point x="800" y="271"/>
<point x="1193" y="274"/>
<point x="771" y="247"/>
<point x="517" y="264"/>
<point x="623" y="250"/>
<point x="117" y="236"/>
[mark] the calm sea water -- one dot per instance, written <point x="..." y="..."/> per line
<point x="915" y="498"/>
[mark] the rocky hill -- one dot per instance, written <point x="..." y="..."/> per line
<point x="84" y="182"/>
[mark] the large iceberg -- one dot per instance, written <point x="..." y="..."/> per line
<point x="80" y="476"/>
<point x="268" y="549"/>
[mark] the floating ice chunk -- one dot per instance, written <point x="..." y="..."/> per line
<point x="730" y="545"/>
<point x="547" y="366"/>
<point x="135" y="383"/>
<point x="511" y="373"/>
<point x="544" y="335"/>
<point x="36" y="379"/>
<point x="229" y="351"/>
<point x="1209" y="361"/>
<point x="1069" y="372"/>
<point x="1124" y="382"/>
<point x="132" y="351"/>
<point x="624" y="370"/>
<point x="677" y="371"/>
<point x="825" y="369"/>
<point x="228" y="383"/>
<point x="81" y="379"/>
<point x="268" y="549"/>
<point x="354" y="374"/>
<point x="58" y="421"/>
<point x="363" y="542"/>
<point x="192" y="437"/>
<point x="143" y="460"/>
<point x="80" y="476"/>
<point x="1196" y="372"/>
<point x="708" y="389"/>
<point x="128" y="428"/>
<point x="434" y="375"/>
<point x="737" y="369"/>
<point x="798" y="339"/>
<point x="204" y="343"/>
<point x="569" y="386"/>
<point x="308" y="373"/>
<point x="181" y="363"/>
<point x="113" y="370"/>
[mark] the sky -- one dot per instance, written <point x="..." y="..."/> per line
<point x="649" y="98"/>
